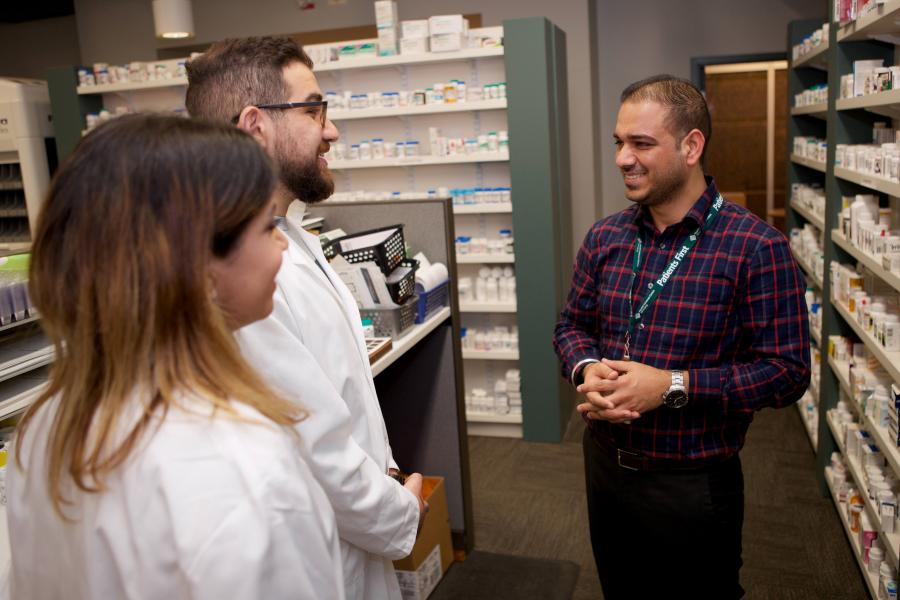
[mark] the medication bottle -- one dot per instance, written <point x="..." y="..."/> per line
<point x="368" y="328"/>
<point x="855" y="507"/>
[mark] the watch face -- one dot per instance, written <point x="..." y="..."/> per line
<point x="676" y="398"/>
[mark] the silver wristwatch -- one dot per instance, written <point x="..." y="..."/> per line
<point x="676" y="396"/>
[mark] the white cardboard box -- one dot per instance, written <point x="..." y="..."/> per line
<point x="418" y="584"/>
<point x="387" y="41"/>
<point x="385" y="13"/>
<point x="439" y="24"/>
<point x="414" y="46"/>
<point x="447" y="42"/>
<point x="414" y="29"/>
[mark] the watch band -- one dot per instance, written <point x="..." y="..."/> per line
<point x="578" y="370"/>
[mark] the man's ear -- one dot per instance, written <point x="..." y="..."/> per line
<point x="692" y="145"/>
<point x="257" y="124"/>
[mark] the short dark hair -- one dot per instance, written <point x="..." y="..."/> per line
<point x="236" y="73"/>
<point x="687" y="106"/>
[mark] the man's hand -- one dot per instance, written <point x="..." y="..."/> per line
<point x="593" y="375"/>
<point x="636" y="389"/>
<point x="414" y="484"/>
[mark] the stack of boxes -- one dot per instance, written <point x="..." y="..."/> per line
<point x="386" y="21"/>
<point x="449" y="33"/>
<point x="414" y="37"/>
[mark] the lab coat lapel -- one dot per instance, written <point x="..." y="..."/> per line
<point x="336" y="288"/>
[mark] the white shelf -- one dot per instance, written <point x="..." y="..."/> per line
<point x="485" y="258"/>
<point x="419" y="161"/>
<point x="879" y="22"/>
<point x="416" y="334"/>
<point x="816" y="336"/>
<point x="891" y="541"/>
<point x="873" y="182"/>
<point x="836" y="434"/>
<point x="806" y="425"/>
<point x="818" y="58"/>
<point x="841" y="369"/>
<point x="407" y="60"/>
<point x="889" y="360"/>
<point x="501" y="430"/>
<point x="131" y="86"/>
<point x="871" y="579"/>
<point x="20" y="392"/>
<point x="881" y="435"/>
<point x="22" y="354"/>
<point x="883" y="103"/>
<point x="482" y="209"/>
<point x="487" y="307"/>
<point x="868" y="261"/>
<point x="806" y="162"/>
<point x="473" y="417"/>
<point x="810" y="272"/>
<point x="809" y="215"/>
<point x="819" y="110"/>
<point x="490" y="354"/>
<point x="346" y="114"/>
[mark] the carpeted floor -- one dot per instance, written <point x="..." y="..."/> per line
<point x="529" y="501"/>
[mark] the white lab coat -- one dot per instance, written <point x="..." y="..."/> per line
<point x="311" y="349"/>
<point x="206" y="507"/>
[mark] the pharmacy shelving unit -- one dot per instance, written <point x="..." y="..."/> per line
<point x="847" y="121"/>
<point x="804" y="73"/>
<point x="532" y="62"/>
<point x="25" y="353"/>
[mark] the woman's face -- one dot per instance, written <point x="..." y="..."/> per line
<point x="244" y="280"/>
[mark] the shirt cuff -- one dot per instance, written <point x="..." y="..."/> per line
<point x="576" y="377"/>
<point x="706" y="386"/>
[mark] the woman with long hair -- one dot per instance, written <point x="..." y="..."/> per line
<point x="156" y="463"/>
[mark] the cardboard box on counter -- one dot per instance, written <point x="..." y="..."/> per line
<point x="432" y="554"/>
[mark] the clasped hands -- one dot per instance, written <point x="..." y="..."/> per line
<point x="619" y="391"/>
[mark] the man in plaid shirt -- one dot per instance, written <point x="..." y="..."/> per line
<point x="686" y="315"/>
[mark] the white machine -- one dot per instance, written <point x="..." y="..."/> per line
<point x="26" y="132"/>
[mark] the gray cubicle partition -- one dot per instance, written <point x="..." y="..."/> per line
<point x="421" y="394"/>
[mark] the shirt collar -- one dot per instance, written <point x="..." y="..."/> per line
<point x="694" y="216"/>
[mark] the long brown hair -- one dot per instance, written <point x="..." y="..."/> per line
<point x="120" y="275"/>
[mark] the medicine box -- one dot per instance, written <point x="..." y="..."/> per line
<point x="440" y="24"/>
<point x="447" y="42"/>
<point x="387" y="41"/>
<point x="432" y="554"/>
<point x="414" y="29"/>
<point x="414" y="46"/>
<point x="385" y="13"/>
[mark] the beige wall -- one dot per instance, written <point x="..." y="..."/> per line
<point x="29" y="49"/>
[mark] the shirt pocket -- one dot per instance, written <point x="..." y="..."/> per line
<point x="706" y="312"/>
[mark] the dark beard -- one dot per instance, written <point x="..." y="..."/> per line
<point x="306" y="181"/>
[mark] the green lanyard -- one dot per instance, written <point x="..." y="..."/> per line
<point x="635" y="316"/>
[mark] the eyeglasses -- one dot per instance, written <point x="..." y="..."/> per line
<point x="320" y="114"/>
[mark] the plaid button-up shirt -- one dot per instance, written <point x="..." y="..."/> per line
<point x="734" y="317"/>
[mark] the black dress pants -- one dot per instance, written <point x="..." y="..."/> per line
<point x="665" y="534"/>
